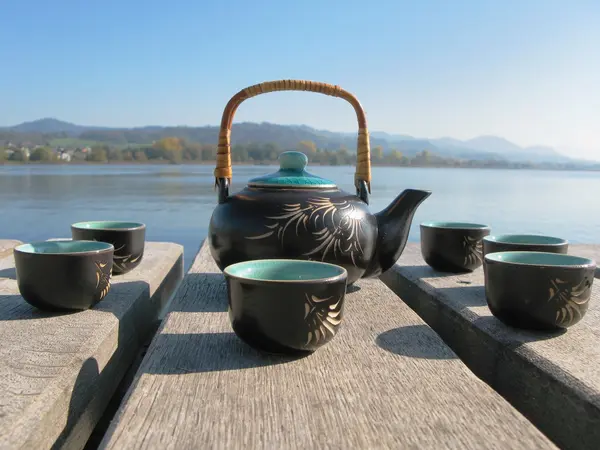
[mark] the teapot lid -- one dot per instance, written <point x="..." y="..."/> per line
<point x="291" y="174"/>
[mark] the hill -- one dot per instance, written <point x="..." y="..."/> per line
<point x="59" y="133"/>
<point x="48" y="126"/>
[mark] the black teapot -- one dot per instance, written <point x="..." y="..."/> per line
<point x="292" y="213"/>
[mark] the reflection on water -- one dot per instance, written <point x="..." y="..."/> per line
<point x="39" y="202"/>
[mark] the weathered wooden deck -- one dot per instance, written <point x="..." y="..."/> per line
<point x="552" y="379"/>
<point x="387" y="380"/>
<point x="59" y="371"/>
<point x="6" y="247"/>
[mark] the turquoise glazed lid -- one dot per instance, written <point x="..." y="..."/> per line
<point x="291" y="174"/>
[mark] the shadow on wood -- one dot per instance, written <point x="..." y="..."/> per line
<point x="21" y="310"/>
<point x="352" y="288"/>
<point x="81" y="394"/>
<point x="414" y="341"/>
<point x="10" y="273"/>
<point x="94" y="386"/>
<point x="520" y="335"/>
<point x="208" y="352"/>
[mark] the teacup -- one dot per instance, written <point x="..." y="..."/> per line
<point x="538" y="290"/>
<point x="285" y="306"/>
<point x="524" y="242"/>
<point x="128" y="238"/>
<point x="63" y="275"/>
<point x="453" y="246"/>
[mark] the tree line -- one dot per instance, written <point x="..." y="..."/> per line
<point x="176" y="150"/>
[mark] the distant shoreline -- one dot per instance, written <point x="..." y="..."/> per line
<point x="274" y="163"/>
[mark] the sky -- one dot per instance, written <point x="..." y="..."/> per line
<point x="526" y="70"/>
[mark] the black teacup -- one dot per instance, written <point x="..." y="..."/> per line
<point x="453" y="246"/>
<point x="63" y="275"/>
<point x="538" y="290"/>
<point x="524" y="243"/>
<point x="285" y="306"/>
<point x="128" y="238"/>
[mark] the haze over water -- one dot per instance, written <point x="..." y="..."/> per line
<point x="176" y="202"/>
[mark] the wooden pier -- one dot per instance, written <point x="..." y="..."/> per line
<point x="58" y="371"/>
<point x="386" y="380"/>
<point x="419" y="362"/>
<point x="552" y="378"/>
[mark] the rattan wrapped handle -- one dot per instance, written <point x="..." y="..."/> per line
<point x="363" y="152"/>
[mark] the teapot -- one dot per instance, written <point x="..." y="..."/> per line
<point x="294" y="214"/>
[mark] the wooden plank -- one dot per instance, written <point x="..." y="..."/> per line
<point x="553" y="379"/>
<point x="59" y="371"/>
<point x="385" y="381"/>
<point x="6" y="247"/>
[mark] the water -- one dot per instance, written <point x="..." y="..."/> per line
<point x="40" y="202"/>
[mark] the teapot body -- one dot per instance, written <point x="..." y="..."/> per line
<point x="321" y="225"/>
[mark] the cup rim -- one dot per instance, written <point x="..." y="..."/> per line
<point x="104" y="247"/>
<point x="454" y="225"/>
<point x="343" y="275"/>
<point x="496" y="257"/>
<point x="500" y="239"/>
<point x="133" y="225"/>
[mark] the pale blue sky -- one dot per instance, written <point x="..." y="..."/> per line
<point x="527" y="70"/>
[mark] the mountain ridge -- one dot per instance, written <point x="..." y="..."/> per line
<point x="288" y="136"/>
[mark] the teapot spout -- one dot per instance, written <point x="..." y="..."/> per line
<point x="393" y="225"/>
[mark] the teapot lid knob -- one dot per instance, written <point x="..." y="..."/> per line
<point x="293" y="161"/>
<point x="291" y="173"/>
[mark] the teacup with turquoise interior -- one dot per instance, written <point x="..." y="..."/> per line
<point x="453" y="247"/>
<point x="524" y="242"/>
<point x="63" y="275"/>
<point x="538" y="290"/>
<point x="108" y="225"/>
<point x="127" y="237"/>
<point x="284" y="305"/>
<point x="63" y="247"/>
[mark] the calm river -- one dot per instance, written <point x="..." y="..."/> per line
<point x="40" y="202"/>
